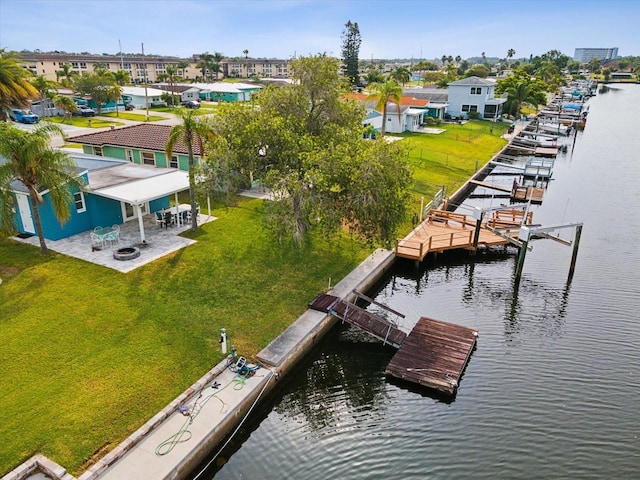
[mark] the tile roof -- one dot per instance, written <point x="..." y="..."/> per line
<point x="144" y="136"/>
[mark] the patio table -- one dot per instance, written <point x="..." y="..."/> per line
<point x="105" y="236"/>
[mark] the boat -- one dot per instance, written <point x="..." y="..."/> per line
<point x="555" y="128"/>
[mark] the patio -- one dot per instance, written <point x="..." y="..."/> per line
<point x="160" y="241"/>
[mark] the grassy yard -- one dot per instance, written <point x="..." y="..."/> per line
<point x="136" y="117"/>
<point x="448" y="159"/>
<point x="85" y="122"/>
<point x="90" y="354"/>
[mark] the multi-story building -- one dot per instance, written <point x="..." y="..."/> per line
<point x="255" y="67"/>
<point x="584" y="55"/>
<point x="140" y="67"/>
<point x="148" y="67"/>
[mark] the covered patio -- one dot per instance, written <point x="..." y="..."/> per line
<point x="159" y="242"/>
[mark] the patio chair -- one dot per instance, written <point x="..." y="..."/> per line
<point x="160" y="219"/>
<point x="113" y="236"/>
<point x="96" y="242"/>
<point x="169" y="219"/>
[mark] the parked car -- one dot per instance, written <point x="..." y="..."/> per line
<point x="84" y="111"/>
<point x="23" y="116"/>
<point x="191" y="104"/>
<point x="128" y="107"/>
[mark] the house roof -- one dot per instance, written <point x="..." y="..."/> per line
<point x="143" y="136"/>
<point x="405" y="100"/>
<point x="140" y="91"/>
<point x="473" y="81"/>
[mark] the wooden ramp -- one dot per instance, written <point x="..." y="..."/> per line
<point x="434" y="355"/>
<point x="366" y="321"/>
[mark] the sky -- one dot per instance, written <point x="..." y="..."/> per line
<point x="417" y="29"/>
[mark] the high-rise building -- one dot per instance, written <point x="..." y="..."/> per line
<point x="584" y="55"/>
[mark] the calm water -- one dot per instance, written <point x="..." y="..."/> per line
<point x="553" y="388"/>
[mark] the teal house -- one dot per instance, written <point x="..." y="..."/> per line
<point x="220" y="92"/>
<point x="115" y="192"/>
<point x="142" y="144"/>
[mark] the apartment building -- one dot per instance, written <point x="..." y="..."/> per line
<point x="148" y="67"/>
<point x="255" y="67"/>
<point x="139" y="67"/>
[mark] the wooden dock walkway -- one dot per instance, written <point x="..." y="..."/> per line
<point x="442" y="231"/>
<point x="366" y="321"/>
<point x="518" y="193"/>
<point x="434" y="355"/>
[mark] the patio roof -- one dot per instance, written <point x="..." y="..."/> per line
<point x="135" y="184"/>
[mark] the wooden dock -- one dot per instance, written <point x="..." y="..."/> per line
<point x="523" y="193"/>
<point x="442" y="231"/>
<point x="434" y="355"/>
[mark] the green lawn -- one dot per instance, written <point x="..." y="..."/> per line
<point x="90" y="354"/>
<point x="136" y="117"/>
<point x="84" y="122"/>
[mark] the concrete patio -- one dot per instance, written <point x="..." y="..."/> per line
<point x="159" y="242"/>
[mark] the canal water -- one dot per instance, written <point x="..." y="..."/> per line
<point x="553" y="387"/>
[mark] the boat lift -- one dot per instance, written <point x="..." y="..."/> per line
<point x="527" y="232"/>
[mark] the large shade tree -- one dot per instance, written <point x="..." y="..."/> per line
<point x="98" y="85"/>
<point x="29" y="158"/>
<point x="385" y="93"/>
<point x="304" y="142"/>
<point x="15" y="88"/>
<point x="189" y="132"/>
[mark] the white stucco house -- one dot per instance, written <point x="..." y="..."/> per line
<point x="474" y="94"/>
<point x="137" y="96"/>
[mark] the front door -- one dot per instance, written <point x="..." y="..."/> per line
<point x="25" y="213"/>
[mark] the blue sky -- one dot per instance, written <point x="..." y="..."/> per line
<point x="284" y="28"/>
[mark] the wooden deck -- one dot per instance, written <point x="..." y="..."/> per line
<point x="526" y="194"/>
<point x="443" y="231"/>
<point x="434" y="355"/>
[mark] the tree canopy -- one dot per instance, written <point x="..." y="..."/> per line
<point x="304" y="143"/>
<point x="99" y="86"/>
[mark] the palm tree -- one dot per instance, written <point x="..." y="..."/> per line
<point x="171" y="77"/>
<point x="401" y="75"/>
<point x="510" y="53"/>
<point x="205" y="65"/>
<point x="15" y="88"/>
<point x="246" y="53"/>
<point x="122" y="77"/>
<point x="66" y="73"/>
<point x="215" y="62"/>
<point x="458" y="60"/>
<point x="182" y="65"/>
<point x="66" y="104"/>
<point x="191" y="130"/>
<point x="521" y="93"/>
<point x="384" y="93"/>
<point x="444" y="60"/>
<point x="31" y="160"/>
<point x="44" y="88"/>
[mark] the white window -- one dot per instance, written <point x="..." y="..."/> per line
<point x="465" y="108"/>
<point x="148" y="158"/>
<point x="97" y="151"/>
<point x="174" y="161"/>
<point x="130" y="155"/>
<point x="78" y="198"/>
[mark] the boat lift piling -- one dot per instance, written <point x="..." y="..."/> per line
<point x="526" y="233"/>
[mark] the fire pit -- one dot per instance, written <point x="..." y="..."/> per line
<point x="126" y="253"/>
